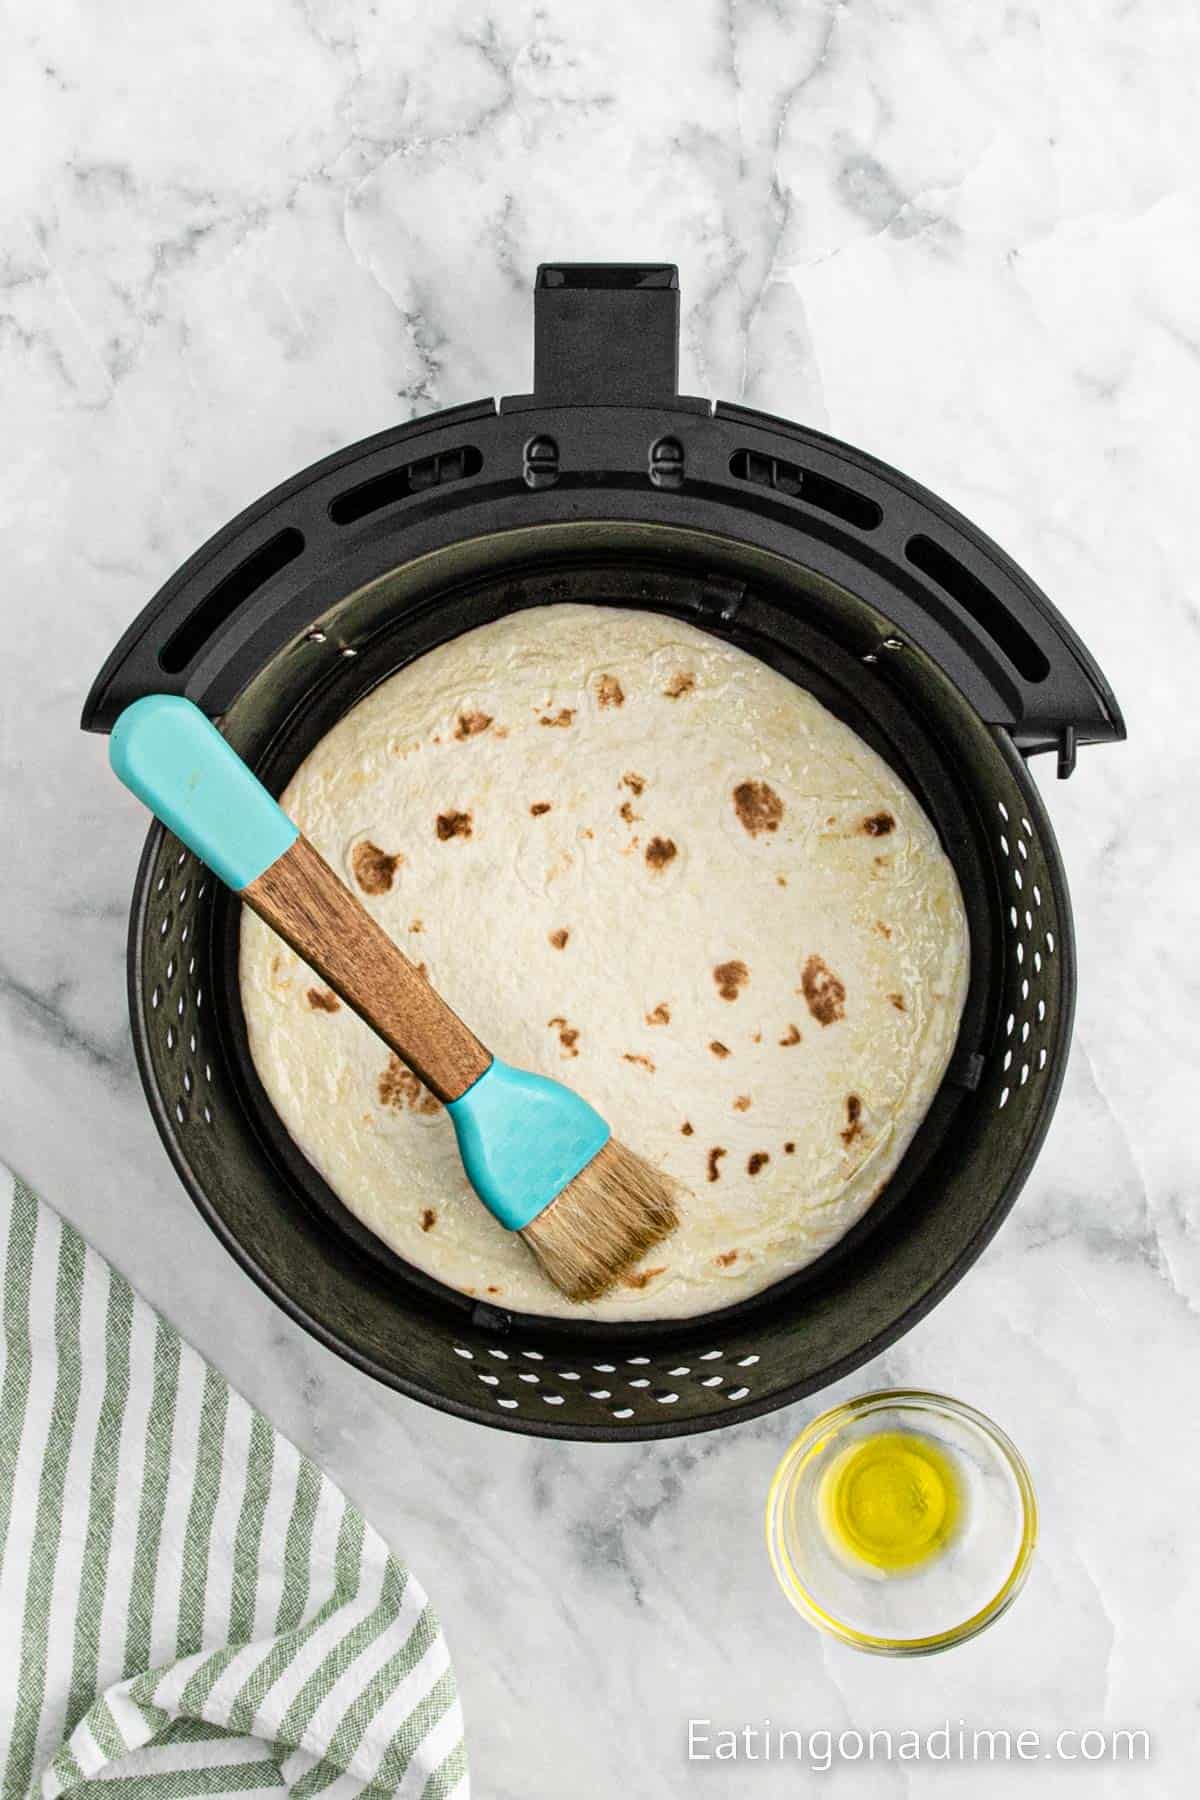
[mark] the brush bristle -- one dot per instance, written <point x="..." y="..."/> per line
<point x="603" y="1222"/>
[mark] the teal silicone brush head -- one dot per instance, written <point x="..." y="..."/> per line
<point x="522" y="1138"/>
<point x="546" y="1164"/>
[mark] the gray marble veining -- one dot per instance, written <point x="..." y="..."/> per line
<point x="962" y="237"/>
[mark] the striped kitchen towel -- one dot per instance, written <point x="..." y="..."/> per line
<point x="187" y="1605"/>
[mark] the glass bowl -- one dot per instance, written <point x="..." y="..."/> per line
<point x="902" y="1522"/>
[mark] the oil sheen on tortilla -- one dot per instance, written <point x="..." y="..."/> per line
<point x="641" y="861"/>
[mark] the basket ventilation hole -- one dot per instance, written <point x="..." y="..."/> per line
<point x="222" y="601"/>
<point x="806" y="485"/>
<point x="402" y="483"/>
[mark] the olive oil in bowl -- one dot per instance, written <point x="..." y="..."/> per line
<point x="901" y="1522"/>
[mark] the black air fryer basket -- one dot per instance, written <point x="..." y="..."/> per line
<point x="606" y="486"/>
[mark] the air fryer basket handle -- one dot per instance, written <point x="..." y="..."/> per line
<point x="606" y="334"/>
<point x="606" y="440"/>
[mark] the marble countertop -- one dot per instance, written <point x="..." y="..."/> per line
<point x="964" y="238"/>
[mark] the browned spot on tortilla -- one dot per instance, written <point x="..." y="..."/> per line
<point x="878" y="825"/>
<point x="687" y="1128"/>
<point x="643" y="1062"/>
<point x="559" y="938"/>
<point x="714" y="1157"/>
<point x="635" y="783"/>
<point x="726" y="1259"/>
<point x="789" y="1149"/>
<point x="321" y="1000"/>
<point x="882" y="929"/>
<point x="758" y="1160"/>
<point x="562" y="717"/>
<point x="758" y="806"/>
<point x="627" y="812"/>
<point x="494" y="1290"/>
<point x="660" y="1016"/>
<point x="568" y="1035"/>
<point x="423" y="969"/>
<point x="853" y="1119"/>
<point x="609" y="691"/>
<point x="374" y="869"/>
<point x="680" y="684"/>
<point x="539" y="807"/>
<point x="417" y="925"/>
<point x="742" y="1103"/>
<point x="897" y="1001"/>
<point x="718" y="1048"/>
<point x="882" y="862"/>
<point x="660" y="851"/>
<point x="453" y="825"/>
<point x="781" y="881"/>
<point x="471" y="724"/>
<point x="731" y="978"/>
<point x="791" y="1036"/>
<point x="428" y="1219"/>
<point x="399" y="1088"/>
<point x="644" y="1277"/>
<point x="824" y="994"/>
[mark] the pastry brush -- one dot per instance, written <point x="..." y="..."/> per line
<point x="540" y="1158"/>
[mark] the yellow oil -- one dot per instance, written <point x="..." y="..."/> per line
<point x="891" y="1502"/>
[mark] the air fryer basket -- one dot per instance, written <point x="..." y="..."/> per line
<point x="604" y="486"/>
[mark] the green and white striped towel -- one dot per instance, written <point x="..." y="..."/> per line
<point x="187" y="1605"/>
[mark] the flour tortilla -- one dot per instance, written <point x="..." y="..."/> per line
<point x="637" y="859"/>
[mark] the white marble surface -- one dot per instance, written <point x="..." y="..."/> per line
<point x="964" y="237"/>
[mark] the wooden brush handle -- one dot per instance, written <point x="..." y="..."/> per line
<point x="302" y="899"/>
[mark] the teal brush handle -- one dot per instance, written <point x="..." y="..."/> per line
<point x="175" y="760"/>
